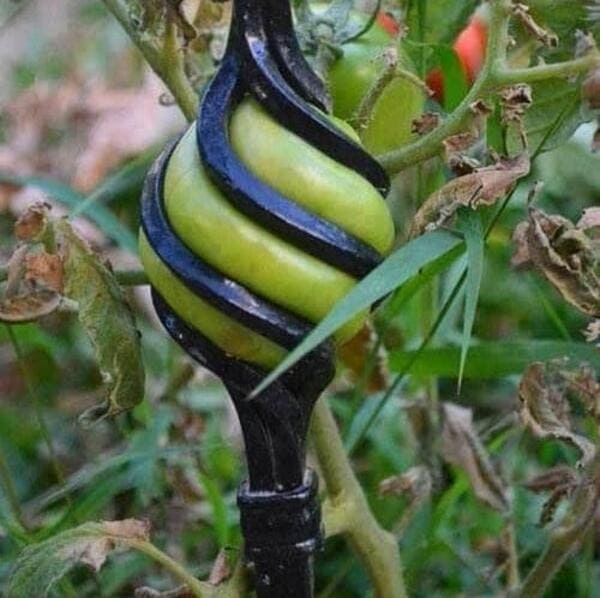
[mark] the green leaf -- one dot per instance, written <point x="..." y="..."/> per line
<point x="41" y="565"/>
<point x="493" y="359"/>
<point x="470" y="224"/>
<point x="397" y="269"/>
<point x="553" y="117"/>
<point x="108" y="321"/>
<point x="67" y="196"/>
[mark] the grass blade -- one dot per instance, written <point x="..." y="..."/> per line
<point x="398" y="268"/>
<point x="470" y="225"/>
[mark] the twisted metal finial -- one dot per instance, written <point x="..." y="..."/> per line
<point x="279" y="507"/>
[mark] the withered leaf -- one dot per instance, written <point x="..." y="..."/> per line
<point x="560" y="482"/>
<point x="547" y="38"/>
<point x="515" y="101"/>
<point x="355" y="355"/>
<point x="32" y="224"/>
<point x="221" y="569"/>
<point x="461" y="446"/>
<point x="583" y="384"/>
<point x="41" y="565"/>
<point x="553" y="478"/>
<point x="108" y="322"/>
<point x="427" y="122"/>
<point x="485" y="186"/>
<point x="565" y="255"/>
<point x="551" y="505"/>
<point x="45" y="270"/>
<point x="415" y="484"/>
<point x="544" y="408"/>
<point x="35" y="304"/>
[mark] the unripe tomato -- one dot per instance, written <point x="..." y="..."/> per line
<point x="354" y="73"/>
<point x="470" y="46"/>
<point x="246" y="252"/>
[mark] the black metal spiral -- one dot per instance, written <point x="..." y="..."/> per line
<point x="279" y="507"/>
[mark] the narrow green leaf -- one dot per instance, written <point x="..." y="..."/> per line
<point x="407" y="291"/>
<point x="493" y="359"/>
<point x="397" y="269"/>
<point x="470" y="225"/>
<point x="67" y="196"/>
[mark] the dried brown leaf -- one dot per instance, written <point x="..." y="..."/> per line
<point x="515" y="101"/>
<point x="521" y="257"/>
<point x="221" y="569"/>
<point x="45" y="270"/>
<point x="415" y="484"/>
<point x="356" y="354"/>
<point x="29" y="307"/>
<point x="427" y="122"/>
<point x="566" y="257"/>
<point x="552" y="503"/>
<point x="483" y="187"/>
<point x="462" y="447"/>
<point x="552" y="479"/>
<point x="32" y="224"/>
<point x="544" y="36"/>
<point x="459" y="143"/>
<point x="544" y="408"/>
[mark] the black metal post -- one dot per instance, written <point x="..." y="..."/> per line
<point x="279" y="508"/>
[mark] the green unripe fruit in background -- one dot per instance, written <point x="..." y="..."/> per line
<point x="241" y="249"/>
<point x="350" y="78"/>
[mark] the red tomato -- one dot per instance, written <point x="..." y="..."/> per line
<point x="470" y="48"/>
<point x="388" y="23"/>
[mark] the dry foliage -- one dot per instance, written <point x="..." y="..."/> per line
<point x="484" y="187"/>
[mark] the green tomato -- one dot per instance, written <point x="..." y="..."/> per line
<point x="243" y="250"/>
<point x="352" y="75"/>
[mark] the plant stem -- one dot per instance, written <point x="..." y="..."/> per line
<point x="196" y="587"/>
<point x="163" y="53"/>
<point x="494" y="75"/>
<point x="565" y="539"/>
<point x="347" y="511"/>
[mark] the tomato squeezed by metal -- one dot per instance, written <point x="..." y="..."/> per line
<point x="280" y="515"/>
